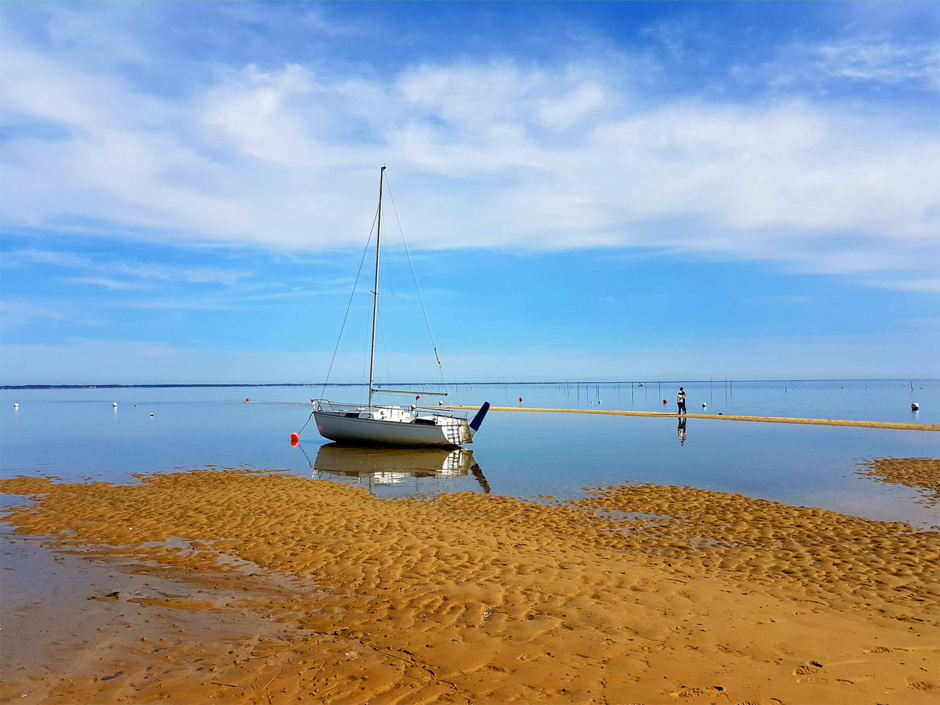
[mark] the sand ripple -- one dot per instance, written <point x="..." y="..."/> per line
<point x="636" y="594"/>
<point x="920" y="473"/>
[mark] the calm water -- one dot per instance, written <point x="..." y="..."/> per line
<point x="78" y="435"/>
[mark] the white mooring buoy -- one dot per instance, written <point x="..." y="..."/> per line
<point x="915" y="406"/>
<point x="16" y="405"/>
<point x="704" y="405"/>
<point x="151" y="414"/>
<point x="114" y="405"/>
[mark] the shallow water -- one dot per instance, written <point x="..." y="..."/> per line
<point x="76" y="434"/>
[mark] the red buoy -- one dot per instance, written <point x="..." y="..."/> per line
<point x="246" y="399"/>
<point x="294" y="439"/>
<point x="520" y="400"/>
<point x="665" y="402"/>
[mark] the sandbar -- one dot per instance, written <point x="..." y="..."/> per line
<point x="920" y="473"/>
<point x="727" y="417"/>
<point x="266" y="587"/>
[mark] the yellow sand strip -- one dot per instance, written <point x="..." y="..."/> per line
<point x="725" y="417"/>
<point x="635" y="594"/>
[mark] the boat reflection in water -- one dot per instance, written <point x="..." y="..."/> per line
<point x="385" y="466"/>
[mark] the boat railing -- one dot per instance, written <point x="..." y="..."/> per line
<point x="327" y="406"/>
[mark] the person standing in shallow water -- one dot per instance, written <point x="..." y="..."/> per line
<point x="680" y="400"/>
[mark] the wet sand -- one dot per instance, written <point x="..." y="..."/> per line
<point x="920" y="473"/>
<point x="725" y="417"/>
<point x="235" y="586"/>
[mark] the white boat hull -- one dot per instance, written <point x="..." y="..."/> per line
<point x="353" y="429"/>
<point x="395" y="462"/>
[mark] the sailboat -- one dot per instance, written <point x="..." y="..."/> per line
<point x="375" y="424"/>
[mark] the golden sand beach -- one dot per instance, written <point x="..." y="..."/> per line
<point x="262" y="587"/>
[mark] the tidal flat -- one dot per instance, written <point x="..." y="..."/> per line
<point x="256" y="587"/>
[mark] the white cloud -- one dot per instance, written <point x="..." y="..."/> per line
<point x="856" y="60"/>
<point x="256" y="113"/>
<point x="134" y="275"/>
<point x="17" y="258"/>
<point x="491" y="154"/>
<point x="109" y="284"/>
<point x="929" y="286"/>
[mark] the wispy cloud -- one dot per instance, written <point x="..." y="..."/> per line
<point x="790" y="300"/>
<point x="110" y="284"/>
<point x="684" y="38"/>
<point x="16" y="312"/>
<point x="927" y="286"/>
<point x="17" y="258"/>
<point x="491" y="153"/>
<point x="135" y="275"/>
<point x="876" y="60"/>
<point x="880" y="60"/>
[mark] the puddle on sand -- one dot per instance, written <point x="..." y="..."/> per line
<point x="241" y="565"/>
<point x="68" y="612"/>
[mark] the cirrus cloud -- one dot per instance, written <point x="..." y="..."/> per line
<point x="492" y="153"/>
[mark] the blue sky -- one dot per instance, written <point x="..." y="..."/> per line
<point x="603" y="191"/>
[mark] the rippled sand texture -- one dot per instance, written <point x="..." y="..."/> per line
<point x="638" y="594"/>
<point x="921" y="473"/>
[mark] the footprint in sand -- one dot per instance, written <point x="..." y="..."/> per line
<point x="922" y="685"/>
<point x="687" y="692"/>
<point x="808" y="668"/>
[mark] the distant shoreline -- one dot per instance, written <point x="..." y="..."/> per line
<point x="458" y="384"/>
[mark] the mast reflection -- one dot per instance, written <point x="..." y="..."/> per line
<point x="389" y="466"/>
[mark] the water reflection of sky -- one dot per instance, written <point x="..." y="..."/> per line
<point x="77" y="434"/>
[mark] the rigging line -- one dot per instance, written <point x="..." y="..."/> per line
<point x="349" y="305"/>
<point x="388" y="371"/>
<point x="414" y="275"/>
<point x="387" y="276"/>
<point x="387" y="268"/>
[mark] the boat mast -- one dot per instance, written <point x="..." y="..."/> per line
<point x="375" y="293"/>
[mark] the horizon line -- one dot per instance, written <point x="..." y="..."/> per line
<point x="454" y="384"/>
